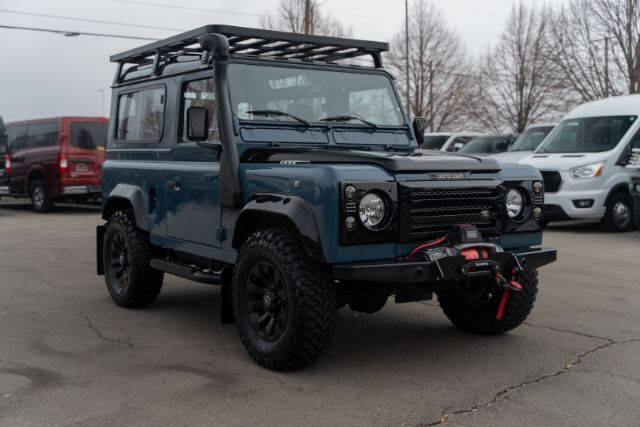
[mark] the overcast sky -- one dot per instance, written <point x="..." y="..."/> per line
<point x="43" y="74"/>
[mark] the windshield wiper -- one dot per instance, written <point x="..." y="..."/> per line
<point x="278" y="113"/>
<point x="346" y="118"/>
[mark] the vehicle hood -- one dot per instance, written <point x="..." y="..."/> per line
<point x="411" y="161"/>
<point x="511" y="156"/>
<point x="562" y="161"/>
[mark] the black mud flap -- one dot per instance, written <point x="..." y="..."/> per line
<point x="99" y="244"/>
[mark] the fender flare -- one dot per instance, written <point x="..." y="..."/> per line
<point x="293" y="208"/>
<point x="135" y="197"/>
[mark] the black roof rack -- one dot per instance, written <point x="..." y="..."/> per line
<point x="255" y="42"/>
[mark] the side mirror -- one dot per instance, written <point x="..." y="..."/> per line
<point x="419" y="125"/>
<point x="197" y="124"/>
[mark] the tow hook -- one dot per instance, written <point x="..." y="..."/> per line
<point x="507" y="286"/>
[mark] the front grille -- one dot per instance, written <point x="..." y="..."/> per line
<point x="552" y="181"/>
<point x="426" y="212"/>
<point x="634" y="161"/>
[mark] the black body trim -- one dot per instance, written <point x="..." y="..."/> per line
<point x="135" y="196"/>
<point x="294" y="208"/>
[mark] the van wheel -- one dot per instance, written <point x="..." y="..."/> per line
<point x="285" y="307"/>
<point x="126" y="250"/>
<point x="619" y="214"/>
<point x="481" y="319"/>
<point x="40" y="200"/>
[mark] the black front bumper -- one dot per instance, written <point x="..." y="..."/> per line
<point x="445" y="269"/>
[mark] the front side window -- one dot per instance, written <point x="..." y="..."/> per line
<point x="200" y="93"/>
<point x="587" y="135"/>
<point x="88" y="135"/>
<point x="312" y="94"/>
<point x="141" y="115"/>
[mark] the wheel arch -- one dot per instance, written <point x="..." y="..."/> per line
<point x="34" y="174"/>
<point x="269" y="210"/>
<point x="622" y="187"/>
<point x="131" y="197"/>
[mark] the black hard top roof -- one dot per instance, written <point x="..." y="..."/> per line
<point x="261" y="43"/>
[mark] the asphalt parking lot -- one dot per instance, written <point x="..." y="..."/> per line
<point x="68" y="355"/>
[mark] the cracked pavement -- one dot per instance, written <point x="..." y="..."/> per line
<point x="70" y="356"/>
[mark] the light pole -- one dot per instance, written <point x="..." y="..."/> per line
<point x="406" y="55"/>
<point x="102" y="99"/>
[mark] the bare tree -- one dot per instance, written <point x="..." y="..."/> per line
<point x="438" y="68"/>
<point x="516" y="84"/>
<point x="620" y="20"/>
<point x="303" y="16"/>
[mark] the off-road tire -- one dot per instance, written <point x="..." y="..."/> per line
<point x="482" y="319"/>
<point x="143" y="283"/>
<point x="311" y="302"/>
<point x="608" y="222"/>
<point x="40" y="200"/>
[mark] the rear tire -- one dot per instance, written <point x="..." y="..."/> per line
<point x="130" y="280"/>
<point x="40" y="200"/>
<point x="285" y="307"/>
<point x="619" y="214"/>
<point x="482" y="319"/>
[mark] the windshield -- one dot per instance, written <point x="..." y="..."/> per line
<point x="587" y="135"/>
<point x="434" y="142"/>
<point x="486" y="145"/>
<point x="530" y="139"/>
<point x="312" y="95"/>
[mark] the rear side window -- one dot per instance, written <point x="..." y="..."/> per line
<point x="141" y="115"/>
<point x="42" y="135"/>
<point x="17" y="137"/>
<point x="88" y="135"/>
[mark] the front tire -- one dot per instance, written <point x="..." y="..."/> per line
<point x="619" y="214"/>
<point x="482" y="319"/>
<point x="285" y="307"/>
<point x="131" y="281"/>
<point x="40" y="200"/>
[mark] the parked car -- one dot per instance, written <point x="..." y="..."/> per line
<point x="238" y="166"/>
<point x="488" y="144"/>
<point x="583" y="162"/>
<point x="525" y="143"/>
<point x="53" y="159"/>
<point x="458" y="140"/>
<point x="434" y="140"/>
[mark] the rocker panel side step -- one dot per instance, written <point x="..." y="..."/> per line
<point x="186" y="271"/>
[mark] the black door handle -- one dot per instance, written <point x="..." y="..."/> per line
<point x="174" y="184"/>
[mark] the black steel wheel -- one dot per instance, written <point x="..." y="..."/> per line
<point x="266" y="301"/>
<point x="126" y="253"/>
<point x="284" y="305"/>
<point x="40" y="200"/>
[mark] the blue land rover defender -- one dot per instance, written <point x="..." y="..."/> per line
<point x="282" y="168"/>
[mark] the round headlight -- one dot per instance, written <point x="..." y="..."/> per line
<point x="371" y="210"/>
<point x="515" y="203"/>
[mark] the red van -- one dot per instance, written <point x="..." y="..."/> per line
<point x="53" y="159"/>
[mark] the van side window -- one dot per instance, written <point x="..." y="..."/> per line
<point x="200" y="93"/>
<point x="88" y="135"/>
<point x="141" y="115"/>
<point x="42" y="135"/>
<point x="17" y="137"/>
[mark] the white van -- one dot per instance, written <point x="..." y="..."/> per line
<point x="582" y="162"/>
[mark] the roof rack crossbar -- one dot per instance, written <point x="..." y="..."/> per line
<point x="262" y="43"/>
